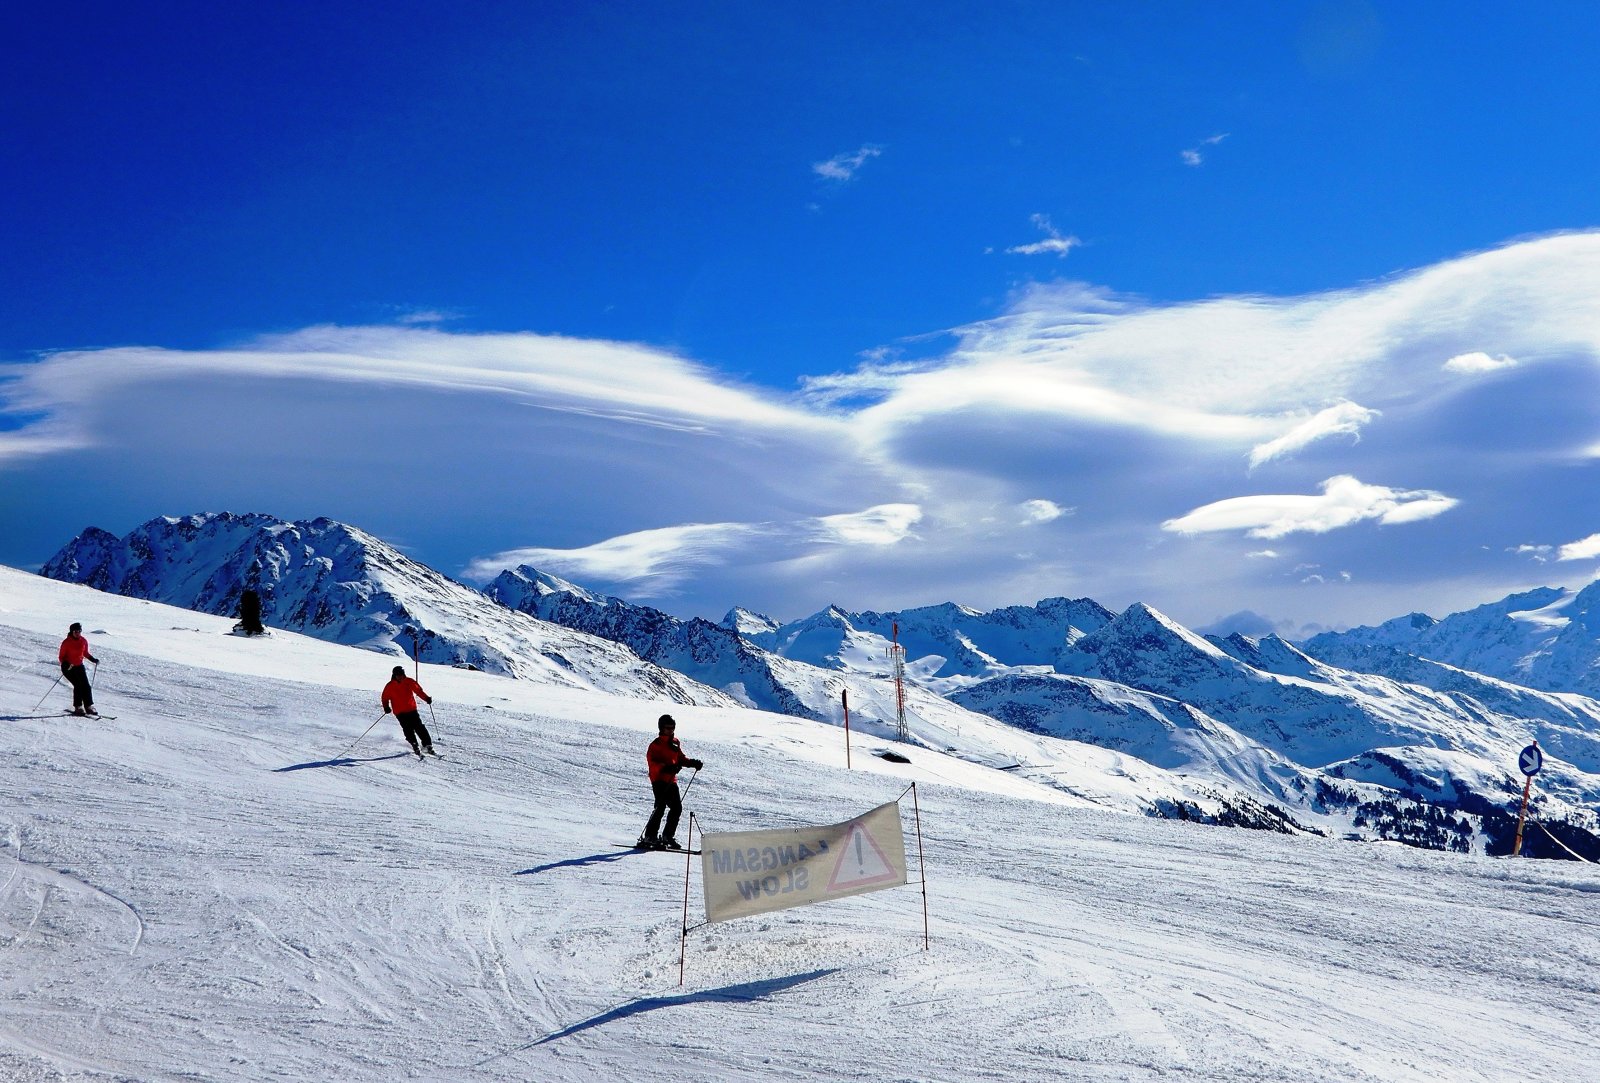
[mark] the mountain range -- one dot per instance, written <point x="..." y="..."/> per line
<point x="335" y="582"/>
<point x="1357" y="734"/>
<point x="1548" y="638"/>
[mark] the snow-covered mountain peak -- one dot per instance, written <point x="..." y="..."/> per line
<point x="1271" y="653"/>
<point x="747" y="623"/>
<point x="336" y="582"/>
<point x="524" y="581"/>
<point x="1143" y="648"/>
<point x="1151" y="630"/>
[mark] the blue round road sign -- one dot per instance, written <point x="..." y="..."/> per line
<point x="1531" y="760"/>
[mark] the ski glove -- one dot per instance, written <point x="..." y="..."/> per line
<point x="696" y="764"/>
<point x="65" y="669"/>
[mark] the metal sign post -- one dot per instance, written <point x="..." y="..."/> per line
<point x="1531" y="761"/>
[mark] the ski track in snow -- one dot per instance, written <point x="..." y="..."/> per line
<point x="205" y="889"/>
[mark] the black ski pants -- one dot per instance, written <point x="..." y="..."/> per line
<point x="82" y="694"/>
<point x="411" y="725"/>
<point x="668" y="800"/>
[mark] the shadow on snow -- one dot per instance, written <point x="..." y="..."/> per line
<point x="579" y="862"/>
<point x="748" y="992"/>
<point x="343" y="761"/>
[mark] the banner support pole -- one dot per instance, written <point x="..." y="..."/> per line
<point x="922" y="864"/>
<point x="683" y="936"/>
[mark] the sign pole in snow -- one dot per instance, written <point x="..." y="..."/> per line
<point x="844" y="698"/>
<point x="922" y="864"/>
<point x="1531" y="761"/>
<point x="683" y="938"/>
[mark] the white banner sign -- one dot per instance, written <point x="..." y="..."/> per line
<point x="753" y="872"/>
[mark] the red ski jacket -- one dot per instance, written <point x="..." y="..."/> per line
<point x="402" y="693"/>
<point x="74" y="649"/>
<point x="665" y="757"/>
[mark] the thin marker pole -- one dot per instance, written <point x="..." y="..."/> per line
<point x="844" y="697"/>
<point x="922" y="863"/>
<point x="1516" y="847"/>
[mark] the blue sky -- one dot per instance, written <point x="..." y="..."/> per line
<point x="1291" y="311"/>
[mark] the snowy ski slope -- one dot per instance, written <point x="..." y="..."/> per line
<point x="205" y="889"/>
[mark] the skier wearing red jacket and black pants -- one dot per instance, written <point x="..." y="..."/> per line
<point x="665" y="759"/>
<point x="74" y="649"/>
<point x="400" y="695"/>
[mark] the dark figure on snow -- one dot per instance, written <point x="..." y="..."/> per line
<point x="400" y="695"/>
<point x="665" y="759"/>
<point x="250" y="614"/>
<point x="74" y="649"/>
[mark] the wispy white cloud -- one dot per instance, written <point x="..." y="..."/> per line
<point x="1195" y="156"/>
<point x="427" y="316"/>
<point x="843" y="167"/>
<point x="1539" y="553"/>
<point x="1346" y="419"/>
<point x="1343" y="502"/>
<point x="1249" y="370"/>
<point x="623" y="382"/>
<point x="1055" y="243"/>
<point x="1477" y="361"/>
<point x="886" y="524"/>
<point x="667" y="556"/>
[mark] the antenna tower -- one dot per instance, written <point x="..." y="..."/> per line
<point x="897" y="661"/>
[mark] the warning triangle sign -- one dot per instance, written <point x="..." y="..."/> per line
<point x="861" y="862"/>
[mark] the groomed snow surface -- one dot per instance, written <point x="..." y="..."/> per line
<point x="205" y="889"/>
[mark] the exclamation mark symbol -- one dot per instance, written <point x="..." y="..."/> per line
<point x="861" y="861"/>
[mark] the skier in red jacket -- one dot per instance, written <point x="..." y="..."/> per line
<point x="400" y="695"/>
<point x="74" y="649"/>
<point x="665" y="759"/>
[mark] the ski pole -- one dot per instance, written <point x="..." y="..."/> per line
<point x="689" y="787"/>
<point x="358" y="740"/>
<point x="46" y="695"/>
